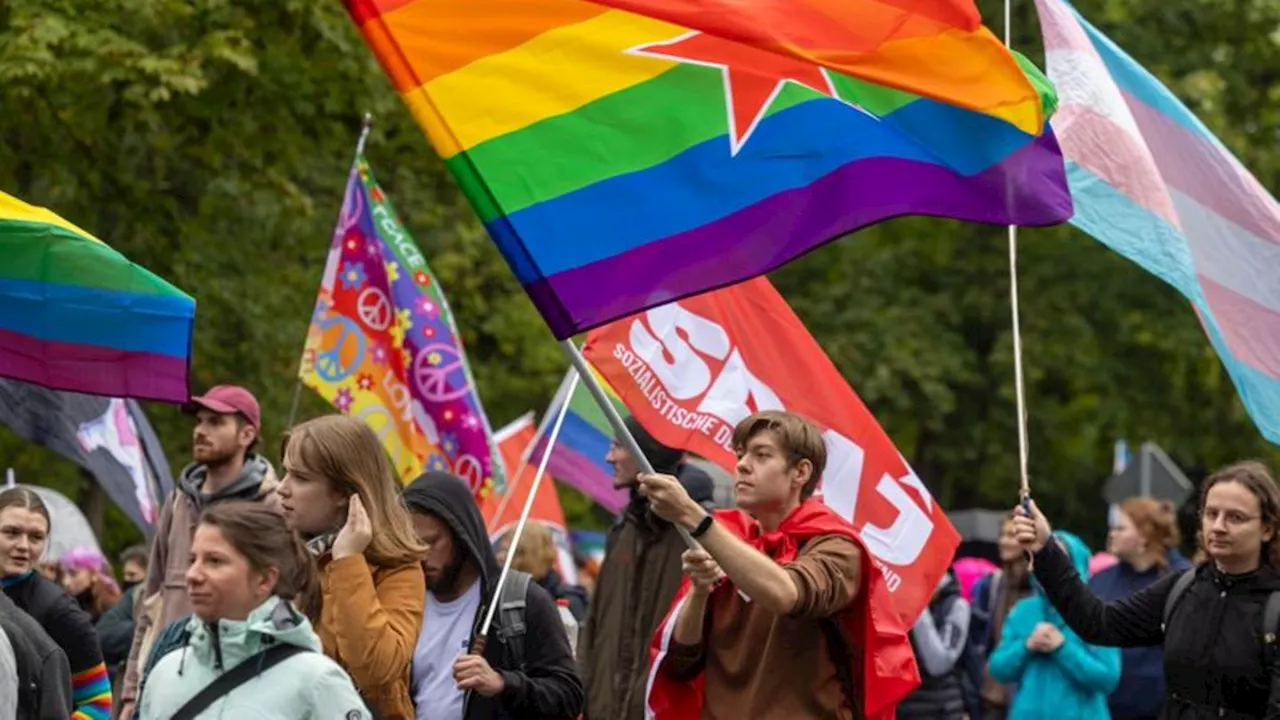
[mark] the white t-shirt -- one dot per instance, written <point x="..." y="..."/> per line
<point x="446" y="634"/>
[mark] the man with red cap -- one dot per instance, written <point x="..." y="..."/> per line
<point x="225" y="467"/>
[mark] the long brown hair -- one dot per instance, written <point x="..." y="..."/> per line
<point x="1257" y="479"/>
<point x="347" y="454"/>
<point x="1157" y="524"/>
<point x="257" y="533"/>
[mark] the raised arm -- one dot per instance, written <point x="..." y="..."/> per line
<point x="1131" y="622"/>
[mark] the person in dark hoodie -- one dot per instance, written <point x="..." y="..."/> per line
<point x="637" y="582"/>
<point x="226" y="432"/>
<point x="517" y="677"/>
<point x="1144" y="537"/>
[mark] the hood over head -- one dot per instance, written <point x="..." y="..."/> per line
<point x="449" y="498"/>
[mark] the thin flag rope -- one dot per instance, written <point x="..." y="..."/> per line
<point x="1019" y="384"/>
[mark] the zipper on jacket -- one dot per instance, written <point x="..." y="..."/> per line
<point x="217" y="646"/>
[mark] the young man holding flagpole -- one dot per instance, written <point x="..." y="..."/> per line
<point x="784" y="615"/>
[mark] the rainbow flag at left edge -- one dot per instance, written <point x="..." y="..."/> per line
<point x="383" y="346"/>
<point x="77" y="315"/>
<point x="626" y="153"/>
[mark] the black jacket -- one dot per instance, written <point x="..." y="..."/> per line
<point x="115" y="631"/>
<point x="44" y="677"/>
<point x="60" y="616"/>
<point x="546" y="683"/>
<point x="1214" y="665"/>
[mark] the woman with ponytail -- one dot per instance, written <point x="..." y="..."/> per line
<point x="1144" y="539"/>
<point x="248" y="651"/>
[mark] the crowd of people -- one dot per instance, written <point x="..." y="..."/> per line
<point x="329" y="591"/>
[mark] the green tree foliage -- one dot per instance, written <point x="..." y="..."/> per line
<point x="210" y="141"/>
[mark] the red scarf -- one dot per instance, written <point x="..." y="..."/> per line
<point x="871" y="623"/>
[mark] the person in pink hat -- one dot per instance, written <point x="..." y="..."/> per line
<point x="226" y="467"/>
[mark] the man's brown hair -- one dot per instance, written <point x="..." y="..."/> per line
<point x="799" y="438"/>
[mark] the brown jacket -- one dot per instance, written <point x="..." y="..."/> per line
<point x="369" y="624"/>
<point x="634" y="589"/>
<point x="164" y="594"/>
<point x="765" y="666"/>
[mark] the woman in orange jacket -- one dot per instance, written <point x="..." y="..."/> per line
<point x="340" y="492"/>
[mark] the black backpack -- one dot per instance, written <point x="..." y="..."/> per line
<point x="511" y="608"/>
<point x="1270" y="614"/>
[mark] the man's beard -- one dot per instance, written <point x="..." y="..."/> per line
<point x="447" y="583"/>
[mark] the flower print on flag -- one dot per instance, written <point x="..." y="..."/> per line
<point x="352" y="276"/>
<point x="343" y="400"/>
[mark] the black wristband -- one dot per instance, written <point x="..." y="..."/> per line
<point x="703" y="526"/>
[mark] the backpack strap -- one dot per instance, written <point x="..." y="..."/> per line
<point x="1175" y="594"/>
<point x="512" y="606"/>
<point x="235" y="677"/>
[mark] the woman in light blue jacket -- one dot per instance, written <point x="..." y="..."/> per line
<point x="1059" y="676"/>
<point x="246" y="570"/>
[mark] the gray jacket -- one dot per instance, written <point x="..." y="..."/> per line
<point x="44" y="676"/>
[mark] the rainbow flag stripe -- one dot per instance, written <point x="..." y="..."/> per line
<point x="577" y="459"/>
<point x="626" y="153"/>
<point x="77" y="315"/>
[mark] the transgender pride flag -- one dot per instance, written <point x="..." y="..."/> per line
<point x="1150" y="181"/>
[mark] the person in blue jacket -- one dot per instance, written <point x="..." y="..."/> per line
<point x="1059" y="676"/>
<point x="1144" y="537"/>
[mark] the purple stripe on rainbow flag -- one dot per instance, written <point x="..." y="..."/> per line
<point x="808" y="217"/>
<point x="80" y="368"/>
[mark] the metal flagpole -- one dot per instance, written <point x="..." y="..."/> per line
<point x="524" y="516"/>
<point x="528" y="452"/>
<point x="615" y="421"/>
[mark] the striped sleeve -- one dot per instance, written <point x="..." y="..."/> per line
<point x="91" y="694"/>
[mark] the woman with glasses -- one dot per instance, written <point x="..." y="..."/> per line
<point x="1220" y="658"/>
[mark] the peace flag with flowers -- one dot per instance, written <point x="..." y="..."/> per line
<point x="383" y="346"/>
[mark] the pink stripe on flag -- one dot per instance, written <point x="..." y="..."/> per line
<point x="1060" y="30"/>
<point x="1101" y="146"/>
<point x="1203" y="172"/>
<point x="1251" y="330"/>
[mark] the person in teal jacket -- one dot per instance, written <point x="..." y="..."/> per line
<point x="1059" y="676"/>
<point x="245" y="569"/>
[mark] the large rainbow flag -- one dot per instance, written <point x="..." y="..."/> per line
<point x="626" y="153"/>
<point x="384" y="349"/>
<point x="77" y="315"/>
<point x="1153" y="183"/>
